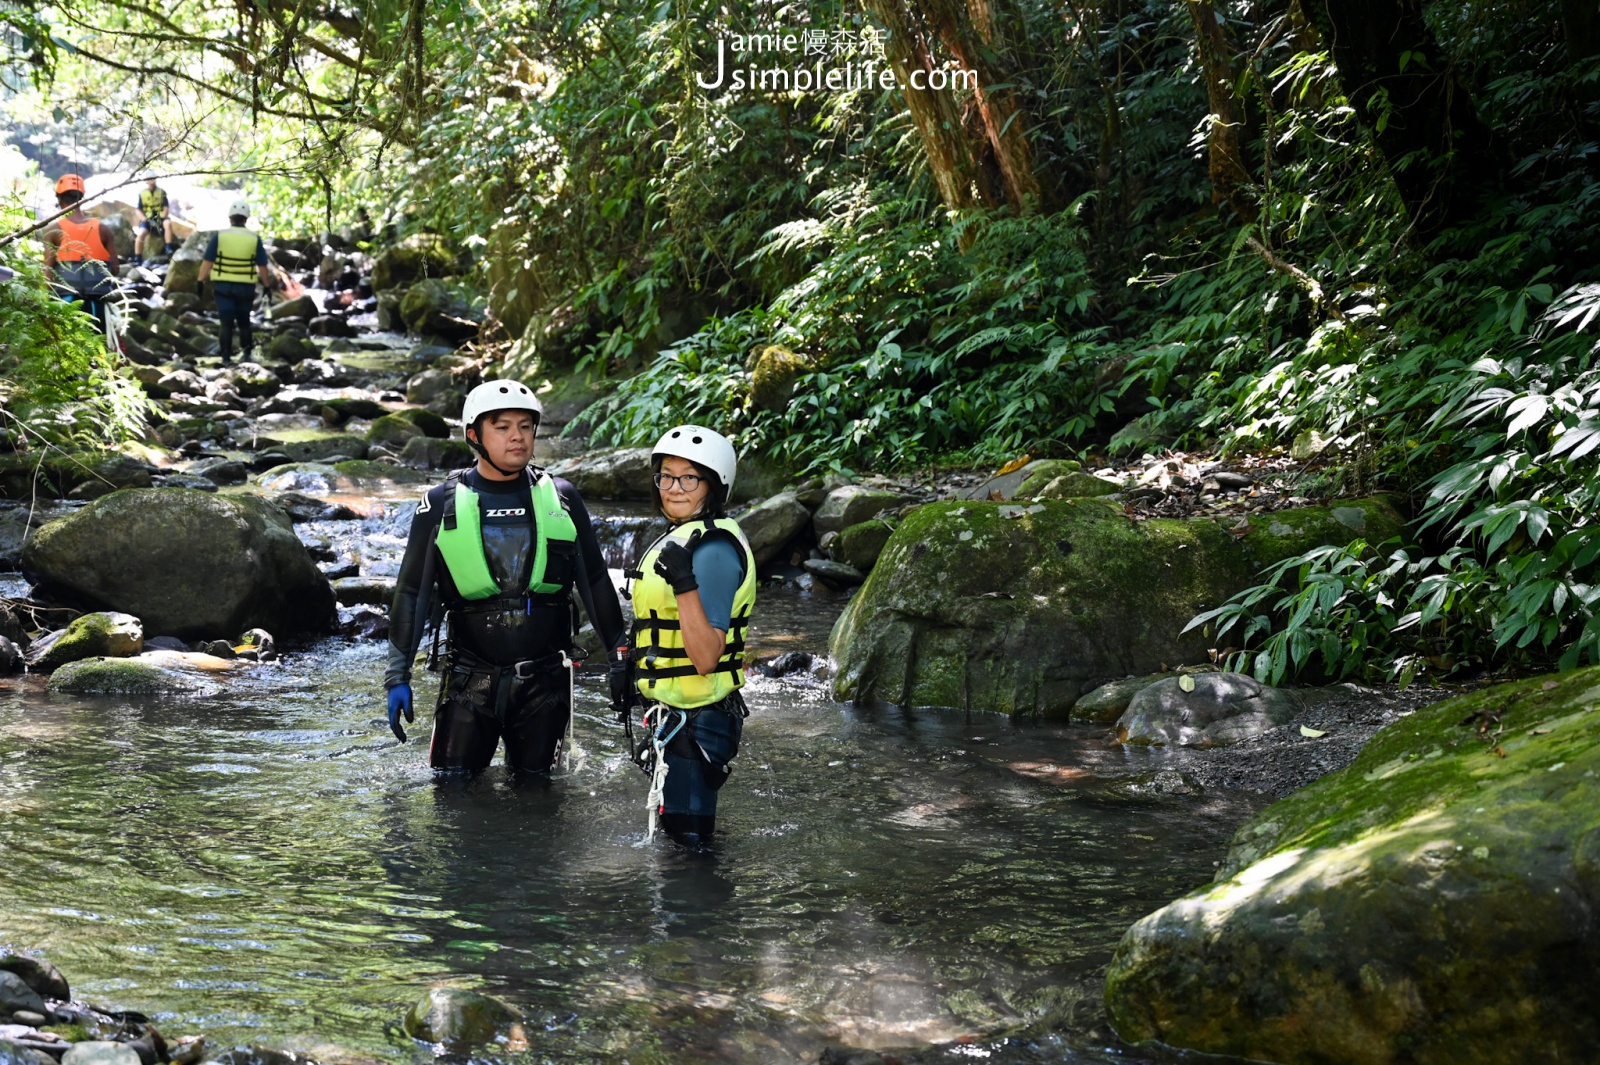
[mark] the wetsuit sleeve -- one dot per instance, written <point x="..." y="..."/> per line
<point x="601" y="599"/>
<point x="719" y="570"/>
<point x="211" y="249"/>
<point x="410" y="598"/>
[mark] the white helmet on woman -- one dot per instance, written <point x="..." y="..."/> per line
<point x="706" y="448"/>
<point x="499" y="395"/>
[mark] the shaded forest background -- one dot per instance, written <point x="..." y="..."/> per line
<point x="1363" y="225"/>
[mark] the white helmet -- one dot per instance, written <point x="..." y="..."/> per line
<point x="706" y="448"/>
<point x="498" y="395"/>
<point x="241" y="206"/>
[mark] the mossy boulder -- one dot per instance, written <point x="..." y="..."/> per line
<point x="430" y="423"/>
<point x="186" y="563"/>
<point x="100" y="634"/>
<point x="418" y="256"/>
<point x="459" y="1018"/>
<point x="1433" y="902"/>
<point x="1105" y="703"/>
<point x="1035" y="475"/>
<point x="446" y="309"/>
<point x="1212" y="709"/>
<point x="852" y="504"/>
<point x="860" y="545"/>
<point x="393" y="430"/>
<point x="1012" y="606"/>
<point x="432" y="453"/>
<point x="773" y="377"/>
<point x="311" y="445"/>
<point x="126" y="676"/>
<point x="1074" y="485"/>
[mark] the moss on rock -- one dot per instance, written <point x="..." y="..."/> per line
<point x="1431" y="902"/>
<point x="124" y="676"/>
<point x="1012" y="606"/>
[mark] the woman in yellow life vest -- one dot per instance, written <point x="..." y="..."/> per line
<point x="692" y="593"/>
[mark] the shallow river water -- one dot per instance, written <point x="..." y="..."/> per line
<point x="270" y="866"/>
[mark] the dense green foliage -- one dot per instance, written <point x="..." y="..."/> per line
<point x="58" y="384"/>
<point x="1207" y="225"/>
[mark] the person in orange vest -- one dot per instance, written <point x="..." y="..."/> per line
<point x="80" y="252"/>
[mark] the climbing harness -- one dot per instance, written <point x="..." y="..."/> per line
<point x="662" y="723"/>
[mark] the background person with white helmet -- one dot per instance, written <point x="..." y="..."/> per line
<point x="234" y="259"/>
<point x="501" y="547"/>
<point x="692" y="594"/>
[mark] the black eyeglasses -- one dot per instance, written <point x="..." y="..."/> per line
<point x="687" y="481"/>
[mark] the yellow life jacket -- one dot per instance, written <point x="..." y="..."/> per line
<point x="236" y="256"/>
<point x="153" y="202"/>
<point x="666" y="675"/>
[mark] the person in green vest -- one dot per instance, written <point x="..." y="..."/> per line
<point x="234" y="259"/>
<point x="502" y="549"/>
<point x="693" y="592"/>
<point x="155" y="217"/>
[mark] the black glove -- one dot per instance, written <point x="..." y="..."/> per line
<point x="620" y="673"/>
<point x="676" y="564"/>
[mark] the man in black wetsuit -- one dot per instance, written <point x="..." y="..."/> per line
<point x="503" y="545"/>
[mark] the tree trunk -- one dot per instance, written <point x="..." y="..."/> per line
<point x="968" y="30"/>
<point x="956" y="172"/>
<point x="1230" y="177"/>
<point x="1442" y="157"/>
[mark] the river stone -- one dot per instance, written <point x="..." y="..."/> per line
<point x="12" y="659"/>
<point x="1223" y="708"/>
<point x="251" y="379"/>
<point x="432" y="453"/>
<point x="429" y="385"/>
<point x="320" y="478"/>
<point x="221" y="471"/>
<point x="373" y="591"/>
<point x="429" y="422"/>
<point x="772" y="523"/>
<point x="106" y="634"/>
<point x="151" y="673"/>
<point x="860" y="545"/>
<point x="853" y="504"/>
<point x="612" y="473"/>
<point x="183" y="269"/>
<point x="417" y="256"/>
<point x="393" y="430"/>
<point x="12" y="1053"/>
<point x="1432" y="902"/>
<point x="1005" y="486"/>
<point x="1011" y="607"/>
<point x="1103" y="705"/>
<point x="1040" y="473"/>
<point x="1071" y="486"/>
<point x="15" y="994"/>
<point x="100" y="1052"/>
<point x="311" y="445"/>
<point x="299" y="307"/>
<point x="450" y="1015"/>
<point x="835" y="573"/>
<point x="186" y="563"/>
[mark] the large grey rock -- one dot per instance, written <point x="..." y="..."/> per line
<point x="1221" y="708"/>
<point x="451" y="1016"/>
<point x="1011" y="606"/>
<point x="1107" y="702"/>
<point x="12" y="659"/>
<point x="852" y="505"/>
<point x="105" y="634"/>
<point x="431" y="453"/>
<point x="430" y="385"/>
<point x="186" y="563"/>
<point x="100" y="1052"/>
<point x="772" y="523"/>
<point x="392" y="430"/>
<point x="183" y="271"/>
<point x="300" y="307"/>
<point x="417" y="256"/>
<point x="439" y="308"/>
<point x="613" y="473"/>
<point x="15" y="994"/>
<point x="1432" y="902"/>
<point x="44" y="978"/>
<point x="311" y="445"/>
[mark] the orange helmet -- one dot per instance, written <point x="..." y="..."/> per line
<point x="69" y="183"/>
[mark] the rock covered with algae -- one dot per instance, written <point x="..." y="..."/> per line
<point x="1433" y="902"/>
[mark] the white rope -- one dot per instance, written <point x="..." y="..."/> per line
<point x="654" y="719"/>
<point x="568" y="748"/>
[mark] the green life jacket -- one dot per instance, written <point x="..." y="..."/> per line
<point x="460" y="541"/>
<point x="236" y="256"/>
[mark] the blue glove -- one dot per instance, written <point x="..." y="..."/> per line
<point x="400" y="699"/>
